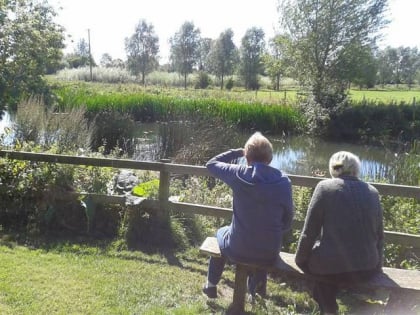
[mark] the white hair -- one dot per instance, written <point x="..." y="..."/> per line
<point x="344" y="163"/>
<point x="258" y="149"/>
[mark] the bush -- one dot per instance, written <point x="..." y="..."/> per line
<point x="202" y="81"/>
<point x="229" y="84"/>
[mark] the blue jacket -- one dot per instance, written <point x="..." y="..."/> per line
<point x="262" y="207"/>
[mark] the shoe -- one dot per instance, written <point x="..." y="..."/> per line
<point x="211" y="292"/>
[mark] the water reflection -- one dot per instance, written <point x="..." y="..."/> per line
<point x="299" y="155"/>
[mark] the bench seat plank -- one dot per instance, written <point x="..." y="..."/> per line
<point x="391" y="278"/>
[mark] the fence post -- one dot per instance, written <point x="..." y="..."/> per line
<point x="414" y="109"/>
<point x="163" y="189"/>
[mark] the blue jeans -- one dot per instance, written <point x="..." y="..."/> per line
<point x="256" y="280"/>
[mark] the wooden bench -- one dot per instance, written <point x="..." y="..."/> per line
<point x="403" y="285"/>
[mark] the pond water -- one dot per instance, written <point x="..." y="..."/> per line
<point x="194" y="143"/>
<point x="299" y="155"/>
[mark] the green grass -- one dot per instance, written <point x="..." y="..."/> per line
<point x="386" y="96"/>
<point x="82" y="279"/>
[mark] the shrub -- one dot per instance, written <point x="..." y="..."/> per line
<point x="202" y="81"/>
<point x="229" y="84"/>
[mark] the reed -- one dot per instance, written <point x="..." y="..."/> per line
<point x="145" y="106"/>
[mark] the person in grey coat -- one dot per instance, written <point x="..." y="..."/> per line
<point x="342" y="238"/>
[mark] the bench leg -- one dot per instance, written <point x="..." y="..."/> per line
<point x="240" y="289"/>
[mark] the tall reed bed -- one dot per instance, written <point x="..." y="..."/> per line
<point x="151" y="107"/>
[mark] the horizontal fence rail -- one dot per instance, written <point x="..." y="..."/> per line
<point x="166" y="169"/>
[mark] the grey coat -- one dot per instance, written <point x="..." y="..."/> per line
<point x="343" y="229"/>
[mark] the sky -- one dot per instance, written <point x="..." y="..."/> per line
<point x="109" y="22"/>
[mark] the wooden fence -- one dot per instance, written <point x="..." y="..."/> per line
<point x="167" y="169"/>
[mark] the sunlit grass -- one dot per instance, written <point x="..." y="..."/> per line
<point x="87" y="280"/>
<point x="386" y="96"/>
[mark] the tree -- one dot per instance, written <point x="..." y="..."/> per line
<point x="205" y="45"/>
<point x="357" y="64"/>
<point x="320" y="31"/>
<point x="31" y="45"/>
<point x="409" y="64"/>
<point x="388" y="66"/>
<point x="185" y="49"/>
<point x="277" y="59"/>
<point x="251" y="52"/>
<point x="80" y="56"/>
<point x="223" y="56"/>
<point x="142" y="50"/>
<point x="108" y="62"/>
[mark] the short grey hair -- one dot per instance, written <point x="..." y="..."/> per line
<point x="344" y="163"/>
<point x="258" y="149"/>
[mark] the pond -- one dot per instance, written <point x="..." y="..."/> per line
<point x="193" y="143"/>
<point x="299" y="155"/>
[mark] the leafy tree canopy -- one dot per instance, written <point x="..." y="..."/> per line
<point x="142" y="50"/>
<point x="321" y="30"/>
<point x="31" y="45"/>
<point x="251" y="53"/>
<point x="223" y="56"/>
<point x="185" y="49"/>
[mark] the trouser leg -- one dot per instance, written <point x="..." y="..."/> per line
<point x="325" y="295"/>
<point x="257" y="282"/>
<point x="216" y="267"/>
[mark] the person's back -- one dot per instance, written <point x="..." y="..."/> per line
<point x="351" y="227"/>
<point x="342" y="238"/>
<point x="262" y="210"/>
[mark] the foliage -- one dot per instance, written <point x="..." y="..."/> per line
<point x="321" y="31"/>
<point x="251" y="52"/>
<point x="374" y="122"/>
<point x="398" y="65"/>
<point x="103" y="74"/>
<point x="108" y="62"/>
<point x="39" y="197"/>
<point x="142" y="49"/>
<point x="111" y="130"/>
<point x="150" y="107"/>
<point x="202" y="81"/>
<point x="277" y="61"/>
<point x="81" y="57"/>
<point x="31" y="45"/>
<point x="185" y="49"/>
<point x="229" y="84"/>
<point x="223" y="56"/>
<point x="147" y="189"/>
<point x="50" y="128"/>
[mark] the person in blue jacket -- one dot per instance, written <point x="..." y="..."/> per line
<point x="262" y="211"/>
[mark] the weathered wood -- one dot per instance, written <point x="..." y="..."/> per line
<point x="239" y="291"/>
<point x="298" y="180"/>
<point x="201" y="209"/>
<point x="81" y="160"/>
<point x="391" y="278"/>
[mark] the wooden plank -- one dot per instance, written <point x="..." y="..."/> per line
<point x="200" y="209"/>
<point x="81" y="160"/>
<point x="391" y="278"/>
<point x="210" y="247"/>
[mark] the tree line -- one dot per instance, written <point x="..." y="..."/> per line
<point x="326" y="45"/>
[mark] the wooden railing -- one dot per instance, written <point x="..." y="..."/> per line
<point x="166" y="169"/>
